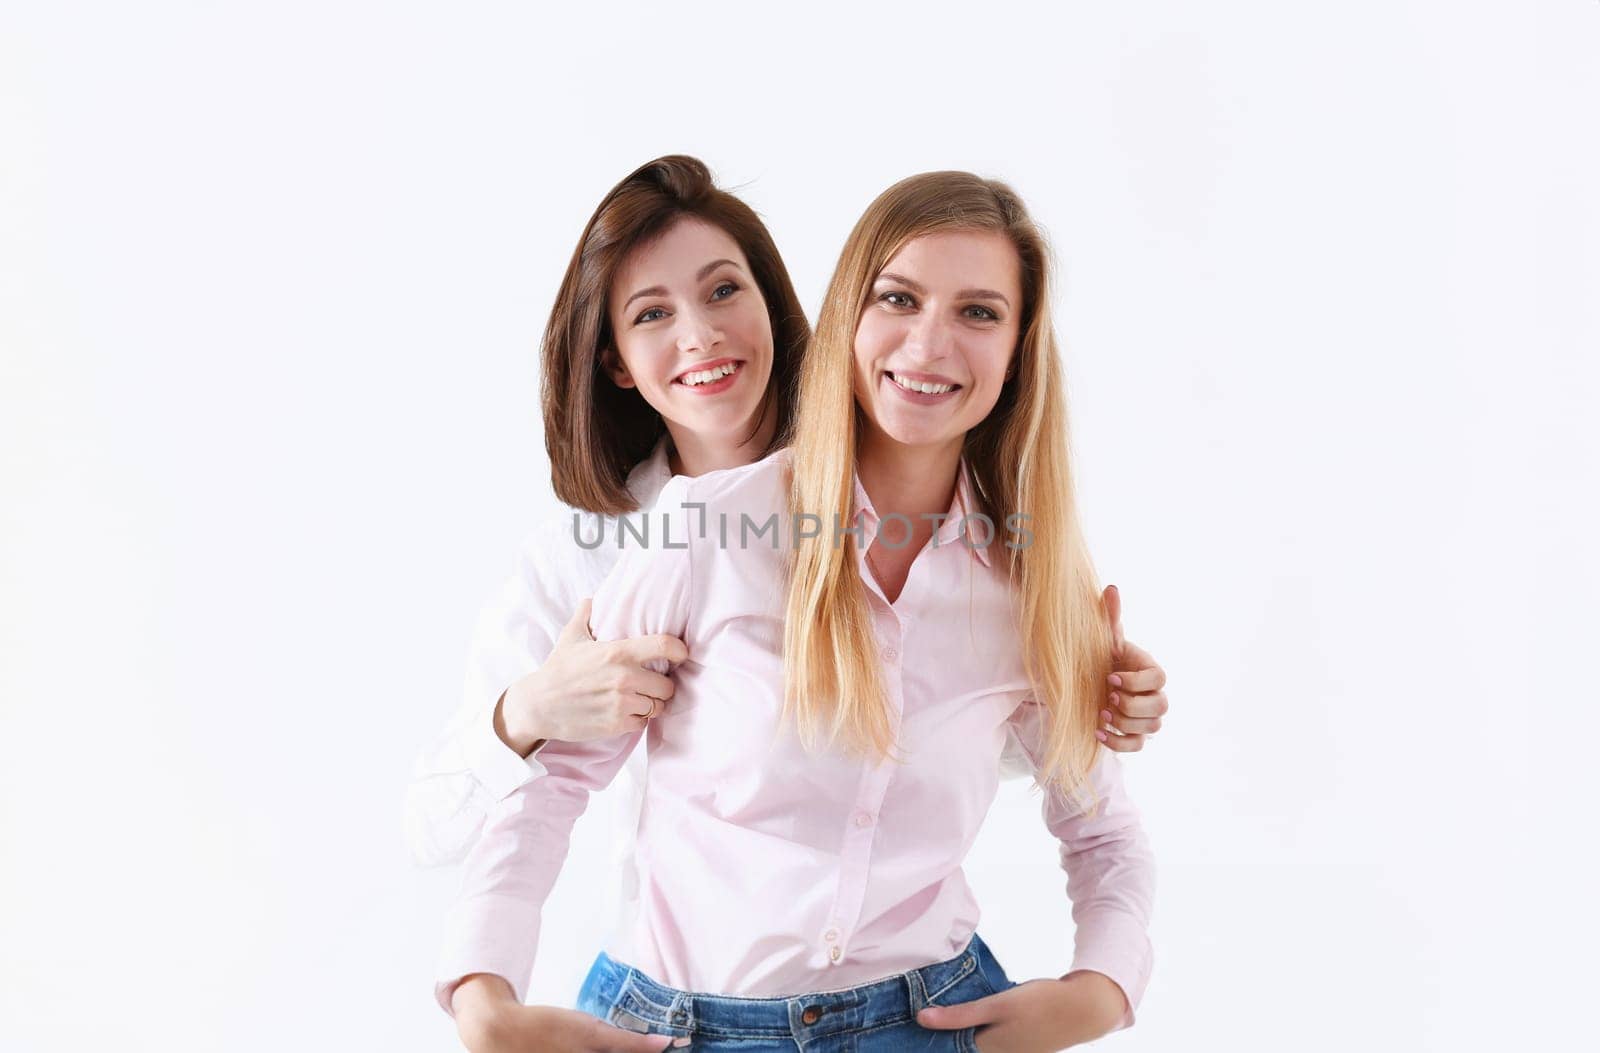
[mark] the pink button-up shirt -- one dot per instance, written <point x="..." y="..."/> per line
<point x="764" y="870"/>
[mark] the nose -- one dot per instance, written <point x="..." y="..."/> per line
<point x="929" y="338"/>
<point x="696" y="331"/>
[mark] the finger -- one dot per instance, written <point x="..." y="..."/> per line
<point x="1113" y="602"/>
<point x="649" y="684"/>
<point x="636" y="708"/>
<point x="577" y="627"/>
<point x="621" y="1040"/>
<point x="983" y="1010"/>
<point x="1141" y="707"/>
<point x="1138" y="681"/>
<point x="1121" y="743"/>
<point x="1130" y="725"/>
<point x="642" y="649"/>
<point x="647" y="707"/>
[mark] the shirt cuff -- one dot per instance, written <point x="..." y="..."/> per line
<point x="1118" y="947"/>
<point x="488" y="934"/>
<point x="498" y="767"/>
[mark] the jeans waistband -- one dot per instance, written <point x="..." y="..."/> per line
<point x="887" y="1001"/>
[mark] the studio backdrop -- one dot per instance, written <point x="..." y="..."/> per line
<point x="272" y="283"/>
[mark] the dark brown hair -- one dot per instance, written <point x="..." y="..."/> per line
<point x="594" y="431"/>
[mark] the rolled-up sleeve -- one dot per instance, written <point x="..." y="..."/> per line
<point x="1111" y="870"/>
<point x="493" y="926"/>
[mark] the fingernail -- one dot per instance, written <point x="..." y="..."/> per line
<point x="1105" y="714"/>
<point x="681" y="1041"/>
<point x="1113" y="698"/>
<point x="1101" y="736"/>
<point x="1116" y="681"/>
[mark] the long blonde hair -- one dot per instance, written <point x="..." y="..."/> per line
<point x="1019" y="462"/>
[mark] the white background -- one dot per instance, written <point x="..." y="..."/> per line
<point x="271" y="282"/>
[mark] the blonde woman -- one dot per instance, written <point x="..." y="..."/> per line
<point x="868" y="616"/>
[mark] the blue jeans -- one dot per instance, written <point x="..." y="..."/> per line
<point x="879" y="1017"/>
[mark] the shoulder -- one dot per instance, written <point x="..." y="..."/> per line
<point x="760" y="486"/>
<point x="563" y="549"/>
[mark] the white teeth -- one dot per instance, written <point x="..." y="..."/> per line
<point x="919" y="386"/>
<point x="706" y="376"/>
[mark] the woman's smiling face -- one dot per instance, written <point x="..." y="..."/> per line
<point x="692" y="331"/>
<point x="934" y="343"/>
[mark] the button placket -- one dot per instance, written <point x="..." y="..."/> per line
<point x="855" y="859"/>
<point x="856" y="850"/>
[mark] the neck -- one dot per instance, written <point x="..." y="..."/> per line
<point x="694" y="453"/>
<point x="911" y="480"/>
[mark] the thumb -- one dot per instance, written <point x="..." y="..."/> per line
<point x="629" y="1042"/>
<point x="577" y="628"/>
<point x="965" y="1014"/>
<point x="1113" y="601"/>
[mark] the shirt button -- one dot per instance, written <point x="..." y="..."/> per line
<point x="831" y="935"/>
<point x="863" y="819"/>
<point x="834" y="953"/>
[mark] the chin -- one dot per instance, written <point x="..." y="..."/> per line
<point x="909" y="433"/>
<point x="732" y="422"/>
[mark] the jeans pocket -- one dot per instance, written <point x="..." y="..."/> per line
<point x="969" y="988"/>
<point x="593" y="996"/>
<point x="618" y="1016"/>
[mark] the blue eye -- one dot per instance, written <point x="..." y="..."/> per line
<point x="650" y="316"/>
<point x="723" y="291"/>
<point x="984" y="313"/>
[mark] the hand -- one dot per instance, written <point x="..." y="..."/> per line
<point x="587" y="690"/>
<point x="489" y="1019"/>
<point x="1039" y="1016"/>
<point x="1136" y="701"/>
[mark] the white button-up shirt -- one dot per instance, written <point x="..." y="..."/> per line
<point x="466" y="769"/>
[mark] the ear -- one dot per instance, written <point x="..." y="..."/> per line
<point x="612" y="363"/>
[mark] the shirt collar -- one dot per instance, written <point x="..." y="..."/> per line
<point x="962" y="505"/>
<point x="651" y="474"/>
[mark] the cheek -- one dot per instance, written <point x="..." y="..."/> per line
<point x="996" y="357"/>
<point x="874" y="339"/>
<point x="755" y="329"/>
<point x="642" y="356"/>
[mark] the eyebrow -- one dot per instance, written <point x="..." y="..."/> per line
<point x="964" y="294"/>
<point x="661" y="290"/>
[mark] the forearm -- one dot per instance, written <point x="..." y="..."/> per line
<point x="524" y="732"/>
<point x="493" y="924"/>
<point x="1098" y="1005"/>
<point x="480" y="993"/>
<point x="1111" y="877"/>
<point x="477" y="1003"/>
